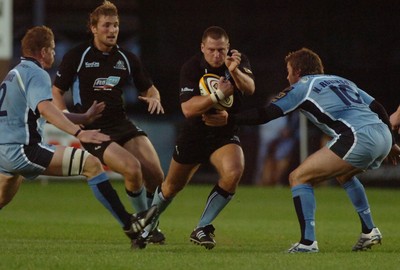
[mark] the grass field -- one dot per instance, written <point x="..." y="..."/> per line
<point x="61" y="226"/>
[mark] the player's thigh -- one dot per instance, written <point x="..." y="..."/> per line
<point x="143" y="150"/>
<point x="320" y="166"/>
<point x="121" y="160"/>
<point x="228" y="160"/>
<point x="70" y="161"/>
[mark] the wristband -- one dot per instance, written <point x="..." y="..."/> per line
<point x="220" y="95"/>
<point x="214" y="98"/>
<point x="77" y="132"/>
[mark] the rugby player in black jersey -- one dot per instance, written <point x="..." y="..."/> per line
<point x="98" y="70"/>
<point x="200" y="141"/>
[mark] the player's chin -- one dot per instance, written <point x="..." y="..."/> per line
<point x="217" y="64"/>
<point x="111" y="42"/>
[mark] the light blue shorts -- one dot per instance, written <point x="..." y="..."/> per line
<point x="27" y="160"/>
<point x="369" y="146"/>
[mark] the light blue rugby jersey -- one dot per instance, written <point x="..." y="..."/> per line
<point x="336" y="105"/>
<point x="21" y="91"/>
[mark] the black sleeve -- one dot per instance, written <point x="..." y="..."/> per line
<point x="140" y="76"/>
<point x="377" y="108"/>
<point x="67" y="70"/>
<point x="256" y="116"/>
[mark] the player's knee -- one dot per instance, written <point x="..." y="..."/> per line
<point x="92" y="167"/>
<point x="294" y="178"/>
<point x="297" y="178"/>
<point x="233" y="174"/>
<point x="130" y="168"/>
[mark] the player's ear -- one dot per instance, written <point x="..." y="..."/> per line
<point x="93" y="29"/>
<point x="43" y="52"/>
<point x="202" y="47"/>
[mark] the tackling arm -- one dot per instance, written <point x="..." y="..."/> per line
<point x="257" y="116"/>
<point x="91" y="114"/>
<point x="54" y="116"/>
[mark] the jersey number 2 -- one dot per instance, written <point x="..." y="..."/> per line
<point x="3" y="90"/>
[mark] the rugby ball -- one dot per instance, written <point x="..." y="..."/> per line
<point x="208" y="84"/>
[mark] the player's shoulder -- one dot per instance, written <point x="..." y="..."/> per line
<point x="30" y="68"/>
<point x="127" y="53"/>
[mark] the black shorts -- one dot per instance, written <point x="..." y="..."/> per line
<point x="120" y="133"/>
<point x="195" y="152"/>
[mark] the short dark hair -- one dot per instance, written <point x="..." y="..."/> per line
<point x="214" y="32"/>
<point x="35" y="39"/>
<point x="305" y="60"/>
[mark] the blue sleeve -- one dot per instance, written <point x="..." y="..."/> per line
<point x="365" y="96"/>
<point x="292" y="97"/>
<point x="38" y="89"/>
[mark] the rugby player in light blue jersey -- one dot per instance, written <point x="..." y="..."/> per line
<point x="25" y="104"/>
<point x="360" y="134"/>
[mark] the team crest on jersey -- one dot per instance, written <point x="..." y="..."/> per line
<point x="282" y="94"/>
<point x="105" y="84"/>
<point x="120" y="65"/>
<point x="304" y="79"/>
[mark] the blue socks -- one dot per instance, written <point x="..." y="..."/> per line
<point x="138" y="199"/>
<point x="304" y="203"/>
<point x="356" y="192"/>
<point x="108" y="197"/>
<point x="216" y="201"/>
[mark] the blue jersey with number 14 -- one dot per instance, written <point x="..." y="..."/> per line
<point x="336" y="105"/>
<point x="20" y="92"/>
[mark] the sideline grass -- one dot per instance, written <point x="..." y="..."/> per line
<point x="62" y="226"/>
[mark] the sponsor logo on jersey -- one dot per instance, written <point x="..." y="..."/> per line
<point x="105" y="84"/>
<point x="187" y="89"/>
<point x="92" y="64"/>
<point x="58" y="74"/>
<point x="120" y="65"/>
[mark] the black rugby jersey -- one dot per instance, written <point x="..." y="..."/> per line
<point x="95" y="75"/>
<point x="191" y="73"/>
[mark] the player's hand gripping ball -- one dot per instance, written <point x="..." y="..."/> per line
<point x="208" y="84"/>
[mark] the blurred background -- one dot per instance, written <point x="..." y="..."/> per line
<point x="358" y="40"/>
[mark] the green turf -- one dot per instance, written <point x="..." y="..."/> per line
<point x="61" y="226"/>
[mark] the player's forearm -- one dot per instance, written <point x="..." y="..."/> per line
<point x="256" y="116"/>
<point x="244" y="82"/>
<point x="56" y="117"/>
<point x="196" y="106"/>
<point x="76" y="118"/>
